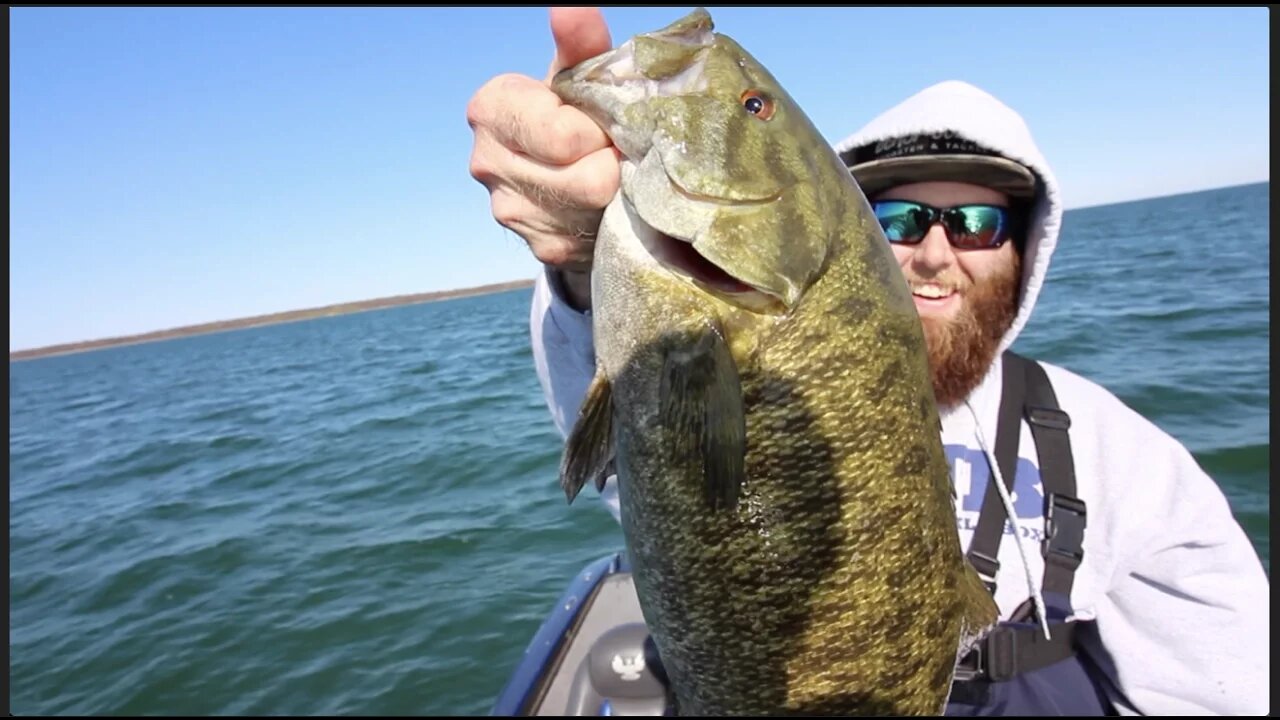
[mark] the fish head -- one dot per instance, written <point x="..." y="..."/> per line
<point x="720" y="165"/>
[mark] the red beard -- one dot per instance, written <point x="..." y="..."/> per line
<point x="961" y="349"/>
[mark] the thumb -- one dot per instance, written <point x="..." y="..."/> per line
<point x="579" y="33"/>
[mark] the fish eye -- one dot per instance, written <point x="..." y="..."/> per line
<point x="759" y="104"/>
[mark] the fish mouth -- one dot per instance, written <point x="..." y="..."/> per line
<point x="679" y="257"/>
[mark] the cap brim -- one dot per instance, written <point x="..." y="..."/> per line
<point x="993" y="172"/>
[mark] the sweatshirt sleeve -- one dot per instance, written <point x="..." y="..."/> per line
<point x="565" y="361"/>
<point x="563" y="352"/>
<point x="1184" y="625"/>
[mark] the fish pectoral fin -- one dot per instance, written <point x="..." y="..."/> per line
<point x="701" y="405"/>
<point x="588" y="451"/>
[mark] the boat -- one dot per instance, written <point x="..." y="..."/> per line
<point x="592" y="655"/>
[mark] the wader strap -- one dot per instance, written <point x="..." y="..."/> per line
<point x="985" y="546"/>
<point x="1010" y="650"/>
<point x="1064" y="513"/>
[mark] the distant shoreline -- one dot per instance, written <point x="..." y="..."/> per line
<point x="268" y="319"/>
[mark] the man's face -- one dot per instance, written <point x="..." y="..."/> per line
<point x="967" y="299"/>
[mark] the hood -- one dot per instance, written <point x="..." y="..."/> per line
<point x="961" y="111"/>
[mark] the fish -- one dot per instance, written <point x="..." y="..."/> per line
<point x="762" y="394"/>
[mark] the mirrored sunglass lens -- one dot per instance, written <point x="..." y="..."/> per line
<point x="977" y="226"/>
<point x="901" y="221"/>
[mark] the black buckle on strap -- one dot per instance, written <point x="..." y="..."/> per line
<point x="1065" y="520"/>
<point x="1049" y="417"/>
<point x="970" y="666"/>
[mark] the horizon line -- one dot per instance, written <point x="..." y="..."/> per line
<point x="263" y="319"/>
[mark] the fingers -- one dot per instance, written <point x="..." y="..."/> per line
<point x="589" y="181"/>
<point x="564" y="239"/>
<point x="548" y="178"/>
<point x="549" y="168"/>
<point x="524" y="115"/>
<point x="579" y="33"/>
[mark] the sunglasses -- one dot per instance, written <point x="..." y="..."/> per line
<point x="968" y="227"/>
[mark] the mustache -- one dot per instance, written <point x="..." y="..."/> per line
<point x="950" y="284"/>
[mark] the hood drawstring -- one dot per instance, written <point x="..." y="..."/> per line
<point x="1008" y="508"/>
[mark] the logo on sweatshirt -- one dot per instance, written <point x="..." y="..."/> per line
<point x="971" y="474"/>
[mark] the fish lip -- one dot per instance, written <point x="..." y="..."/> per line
<point x="618" y="67"/>
<point x="608" y="68"/>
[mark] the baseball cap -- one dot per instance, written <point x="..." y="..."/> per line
<point x="943" y="156"/>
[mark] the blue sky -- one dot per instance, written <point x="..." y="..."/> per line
<point x="171" y="166"/>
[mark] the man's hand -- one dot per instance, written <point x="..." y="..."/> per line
<point x="550" y="170"/>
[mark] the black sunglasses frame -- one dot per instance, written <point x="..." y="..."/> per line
<point x="953" y="223"/>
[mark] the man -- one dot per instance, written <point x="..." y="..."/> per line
<point x="1157" y="602"/>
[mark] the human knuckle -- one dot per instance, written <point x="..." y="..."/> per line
<point x="553" y="143"/>
<point x="572" y="144"/>
<point x="481" y="168"/>
<point x="589" y="189"/>
<point x="598" y="193"/>
<point x="480" y="106"/>
<point x="508" y="211"/>
<point x="511" y="83"/>
<point x="477" y="108"/>
<point x="553" y="251"/>
<point x="494" y="98"/>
